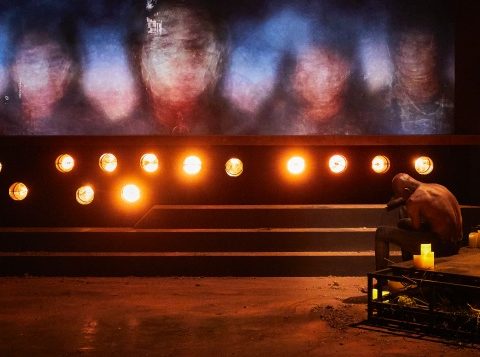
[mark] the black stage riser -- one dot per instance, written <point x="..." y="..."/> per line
<point x="185" y="266"/>
<point x="137" y="241"/>
<point x="331" y="216"/>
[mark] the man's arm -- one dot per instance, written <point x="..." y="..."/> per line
<point x="413" y="211"/>
<point x="395" y="202"/>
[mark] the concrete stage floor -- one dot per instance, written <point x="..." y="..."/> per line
<point x="198" y="317"/>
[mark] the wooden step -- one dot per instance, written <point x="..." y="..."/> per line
<point x="187" y="264"/>
<point x="272" y="216"/>
<point x="178" y="240"/>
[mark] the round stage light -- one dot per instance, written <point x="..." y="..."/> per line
<point x="380" y="164"/>
<point x="149" y="162"/>
<point x="108" y="162"/>
<point x="424" y="165"/>
<point x="296" y="165"/>
<point x="192" y="165"/>
<point x="130" y="193"/>
<point x="18" y="191"/>
<point x="64" y="163"/>
<point x="85" y="195"/>
<point x="234" y="167"/>
<point x="0" y="167"/>
<point x="337" y="164"/>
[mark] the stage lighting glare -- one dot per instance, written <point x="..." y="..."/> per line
<point x="192" y="165"/>
<point x="108" y="162"/>
<point x="130" y="193"/>
<point x="424" y="165"/>
<point x="149" y="163"/>
<point x="65" y="163"/>
<point x="85" y="195"/>
<point x="380" y="164"/>
<point x="337" y="164"/>
<point x="18" y="191"/>
<point x="296" y="165"/>
<point x="0" y="167"/>
<point x="234" y="167"/>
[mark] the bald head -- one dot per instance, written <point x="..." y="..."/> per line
<point x="404" y="185"/>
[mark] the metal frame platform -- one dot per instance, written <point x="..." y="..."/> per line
<point x="442" y="302"/>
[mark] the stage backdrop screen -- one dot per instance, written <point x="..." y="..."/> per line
<point x="263" y="67"/>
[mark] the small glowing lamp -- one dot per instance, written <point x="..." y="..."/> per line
<point x="130" y="193"/>
<point x="473" y="240"/>
<point x="234" y="167"/>
<point x="149" y="162"/>
<point x="0" y="167"/>
<point x="192" y="165"/>
<point x="64" y="163"/>
<point x="108" y="162"/>
<point x="425" y="248"/>
<point x="18" y="191"/>
<point x="337" y="164"/>
<point x="424" y="261"/>
<point x="424" y="165"/>
<point x="85" y="195"/>
<point x="296" y="165"/>
<point x="375" y="293"/>
<point x="426" y="258"/>
<point x="380" y="164"/>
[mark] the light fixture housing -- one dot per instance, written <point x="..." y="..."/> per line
<point x="85" y="195"/>
<point x="130" y="193"/>
<point x="424" y="165"/>
<point x="108" y="162"/>
<point x="234" y="167"/>
<point x="64" y="163"/>
<point x="18" y="191"/>
<point x="149" y="162"/>
<point x="337" y="163"/>
<point x="192" y="165"/>
<point x="380" y="164"/>
<point x="296" y="165"/>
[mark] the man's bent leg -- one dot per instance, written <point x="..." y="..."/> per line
<point x="382" y="247"/>
<point x="409" y="241"/>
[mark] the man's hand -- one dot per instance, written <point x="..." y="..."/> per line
<point x="405" y="223"/>
<point x="395" y="202"/>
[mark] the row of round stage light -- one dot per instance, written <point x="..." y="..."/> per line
<point x="192" y="165"/>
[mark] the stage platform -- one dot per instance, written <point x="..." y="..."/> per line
<point x="209" y="240"/>
<point x="444" y="301"/>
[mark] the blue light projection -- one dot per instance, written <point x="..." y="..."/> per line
<point x="263" y="67"/>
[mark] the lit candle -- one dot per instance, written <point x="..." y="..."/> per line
<point x="425" y="248"/>
<point x="375" y="294"/>
<point x="473" y="240"/>
<point x="424" y="261"/>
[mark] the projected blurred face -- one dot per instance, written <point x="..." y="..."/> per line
<point x="319" y="80"/>
<point x="180" y="56"/>
<point x="42" y="72"/>
<point x="107" y="79"/>
<point x="416" y="64"/>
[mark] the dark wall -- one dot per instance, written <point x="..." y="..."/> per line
<point x="51" y="199"/>
<point x="467" y="58"/>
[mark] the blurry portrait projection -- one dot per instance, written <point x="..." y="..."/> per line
<point x="107" y="79"/>
<point x="180" y="62"/>
<point x="211" y="67"/>
<point x="422" y="105"/>
<point x="41" y="70"/>
<point x="319" y="81"/>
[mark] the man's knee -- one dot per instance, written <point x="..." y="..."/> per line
<point x="382" y="233"/>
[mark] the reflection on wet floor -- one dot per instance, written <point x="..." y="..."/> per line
<point x="89" y="331"/>
<point x="192" y="317"/>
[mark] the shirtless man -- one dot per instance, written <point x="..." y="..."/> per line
<point x="432" y="216"/>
